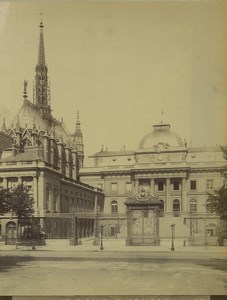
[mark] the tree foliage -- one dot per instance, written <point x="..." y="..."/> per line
<point x="21" y="204"/>
<point x="18" y="202"/>
<point x="5" y="195"/>
<point x="218" y="202"/>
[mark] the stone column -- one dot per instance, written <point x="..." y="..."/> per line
<point x="156" y="217"/>
<point x="183" y="195"/>
<point x="19" y="180"/>
<point x="152" y="186"/>
<point x="35" y="193"/>
<point x="128" y="238"/>
<point x="4" y="182"/>
<point x="58" y="204"/>
<point x="41" y="194"/>
<point x="168" y="204"/>
<point x="51" y="199"/>
<point x="136" y="186"/>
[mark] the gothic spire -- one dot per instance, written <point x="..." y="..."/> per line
<point x="78" y="121"/>
<point x="41" y="80"/>
<point x="78" y="141"/>
<point x="41" y="55"/>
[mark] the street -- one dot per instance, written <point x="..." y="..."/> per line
<point x="79" y="271"/>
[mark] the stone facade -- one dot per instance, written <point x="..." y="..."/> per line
<point x="166" y="167"/>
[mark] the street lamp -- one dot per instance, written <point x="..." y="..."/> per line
<point x="172" y="230"/>
<point x="101" y="234"/>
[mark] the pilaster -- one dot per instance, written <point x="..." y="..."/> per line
<point x="168" y="204"/>
<point x="152" y="186"/>
<point x="35" y="192"/>
<point x="183" y="195"/>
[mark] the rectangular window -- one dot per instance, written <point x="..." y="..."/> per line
<point x="144" y="184"/>
<point x="113" y="187"/>
<point x="160" y="186"/>
<point x="28" y="184"/>
<point x="210" y="184"/>
<point x="193" y="184"/>
<point x="128" y="186"/>
<point x="12" y="183"/>
<point x="176" y="185"/>
<point x="193" y="207"/>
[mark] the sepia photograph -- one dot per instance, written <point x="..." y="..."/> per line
<point x="113" y="150"/>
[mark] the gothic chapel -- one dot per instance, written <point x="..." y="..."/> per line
<point x="40" y="152"/>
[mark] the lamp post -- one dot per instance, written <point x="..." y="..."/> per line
<point x="101" y="234"/>
<point x="172" y="230"/>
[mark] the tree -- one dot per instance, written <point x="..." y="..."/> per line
<point x="21" y="204"/>
<point x="218" y="202"/>
<point x="4" y="200"/>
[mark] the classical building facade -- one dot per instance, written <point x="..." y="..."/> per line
<point x="163" y="166"/>
<point x="39" y="151"/>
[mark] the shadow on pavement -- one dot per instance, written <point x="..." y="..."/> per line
<point x="9" y="262"/>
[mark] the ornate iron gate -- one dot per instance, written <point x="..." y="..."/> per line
<point x="143" y="221"/>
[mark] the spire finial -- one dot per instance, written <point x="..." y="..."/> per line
<point x="78" y="116"/>
<point x="25" y="89"/>
<point x="41" y="21"/>
<point x="78" y="120"/>
<point x="162" y="115"/>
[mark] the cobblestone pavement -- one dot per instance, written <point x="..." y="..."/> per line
<point x="60" y="269"/>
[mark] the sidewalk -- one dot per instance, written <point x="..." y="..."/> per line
<point x="112" y="245"/>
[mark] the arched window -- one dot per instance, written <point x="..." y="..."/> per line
<point x="114" y="207"/>
<point x="176" y="208"/>
<point x="208" y="207"/>
<point x="161" y="208"/>
<point x="193" y="206"/>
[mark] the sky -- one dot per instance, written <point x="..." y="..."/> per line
<point x="120" y="64"/>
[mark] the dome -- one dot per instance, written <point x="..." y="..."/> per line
<point x="161" y="136"/>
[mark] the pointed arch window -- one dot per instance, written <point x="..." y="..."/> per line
<point x="114" y="207"/>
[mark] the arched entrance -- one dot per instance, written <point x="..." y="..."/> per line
<point x="11" y="232"/>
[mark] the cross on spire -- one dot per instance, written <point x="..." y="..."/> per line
<point x="162" y="115"/>
<point x="41" y="22"/>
